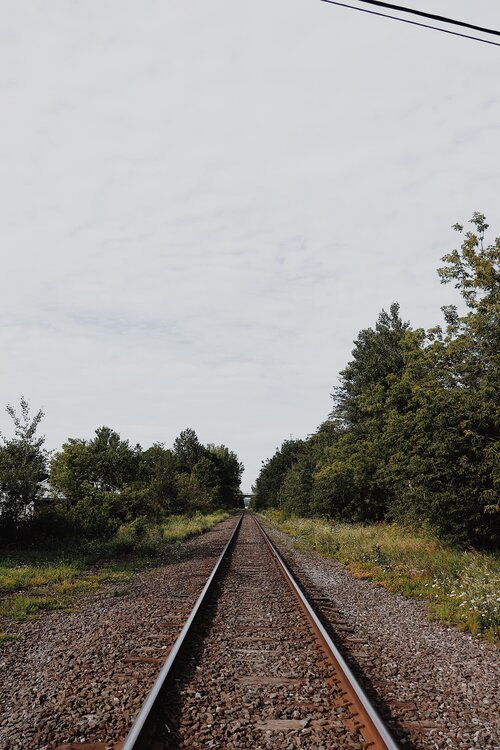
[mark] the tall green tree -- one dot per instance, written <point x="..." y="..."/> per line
<point x="23" y="465"/>
<point x="351" y="473"/>
<point x="229" y="473"/>
<point x="188" y="450"/>
<point x="90" y="477"/>
<point x="272" y="474"/>
<point x="158" y="469"/>
<point x="106" y="464"/>
<point x="205" y="477"/>
<point x="414" y="431"/>
<point x="377" y="355"/>
<point x="445" y="461"/>
<point x="295" y="492"/>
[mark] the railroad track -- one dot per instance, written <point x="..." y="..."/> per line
<point x="253" y="667"/>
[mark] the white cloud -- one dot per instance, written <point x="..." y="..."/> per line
<point x="203" y="204"/>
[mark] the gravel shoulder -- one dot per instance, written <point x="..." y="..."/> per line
<point x="440" y="686"/>
<point x="259" y="679"/>
<point x="82" y="676"/>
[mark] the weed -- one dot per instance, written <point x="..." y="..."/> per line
<point x="34" y="582"/>
<point x="150" y="540"/>
<point x="177" y="528"/>
<point x="24" y="607"/>
<point x="6" y="637"/>
<point x="460" y="587"/>
<point x="19" y="576"/>
<point x="121" y="592"/>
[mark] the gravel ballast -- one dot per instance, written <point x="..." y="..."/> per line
<point x="79" y="677"/>
<point x="260" y="679"/>
<point x="439" y="686"/>
<point x="82" y="676"/>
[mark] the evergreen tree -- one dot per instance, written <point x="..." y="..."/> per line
<point x="188" y="450"/>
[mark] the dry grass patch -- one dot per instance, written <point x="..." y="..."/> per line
<point x="32" y="585"/>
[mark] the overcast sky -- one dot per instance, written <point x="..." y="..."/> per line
<point x="203" y="202"/>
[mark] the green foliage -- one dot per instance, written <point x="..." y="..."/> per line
<point x="413" y="435"/>
<point x="140" y="537"/>
<point x="30" y="584"/>
<point x="157" y="488"/>
<point x="350" y="473"/>
<point x="377" y="355"/>
<point x="23" y="465"/>
<point x="205" y="477"/>
<point x="21" y="576"/>
<point x="294" y="495"/>
<point x="191" y="495"/>
<point x="188" y="450"/>
<point x="105" y="484"/>
<point x="104" y="464"/>
<point x="273" y="472"/>
<point x="474" y="268"/>
<point x="228" y="472"/>
<point x="25" y="607"/>
<point x="460" y="588"/>
<point x="444" y="444"/>
<point x="177" y="528"/>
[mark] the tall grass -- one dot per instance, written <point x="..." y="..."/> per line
<point x="460" y="587"/>
<point x="177" y="528"/>
<point x="151" y="539"/>
<point x="29" y="586"/>
<point x="22" y="576"/>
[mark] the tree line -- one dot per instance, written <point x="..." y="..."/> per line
<point x="413" y="433"/>
<point x="91" y="487"/>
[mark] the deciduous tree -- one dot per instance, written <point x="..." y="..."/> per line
<point x="23" y="465"/>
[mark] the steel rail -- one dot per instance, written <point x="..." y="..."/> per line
<point x="374" y="728"/>
<point x="137" y="731"/>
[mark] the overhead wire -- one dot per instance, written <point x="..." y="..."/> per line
<point x="432" y="16"/>
<point x="413" y="23"/>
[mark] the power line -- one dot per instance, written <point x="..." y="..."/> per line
<point x="432" y="16"/>
<point x="412" y="23"/>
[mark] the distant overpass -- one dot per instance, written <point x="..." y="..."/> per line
<point x="247" y="499"/>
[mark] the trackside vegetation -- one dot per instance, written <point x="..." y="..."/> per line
<point x="150" y="539"/>
<point x="459" y="587"/>
<point x="106" y="488"/>
<point x="99" y="509"/>
<point x="413" y="433"/>
<point x="36" y="580"/>
<point x="401" y="482"/>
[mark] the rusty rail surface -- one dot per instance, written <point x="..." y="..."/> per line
<point x="136" y="735"/>
<point x="363" y="715"/>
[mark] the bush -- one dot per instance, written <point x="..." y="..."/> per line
<point x="150" y="540"/>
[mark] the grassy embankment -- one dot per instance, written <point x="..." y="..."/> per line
<point x="460" y="587"/>
<point x="34" y="581"/>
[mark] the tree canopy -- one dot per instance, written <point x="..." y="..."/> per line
<point x="23" y="465"/>
<point x="413" y="434"/>
<point x="98" y="484"/>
